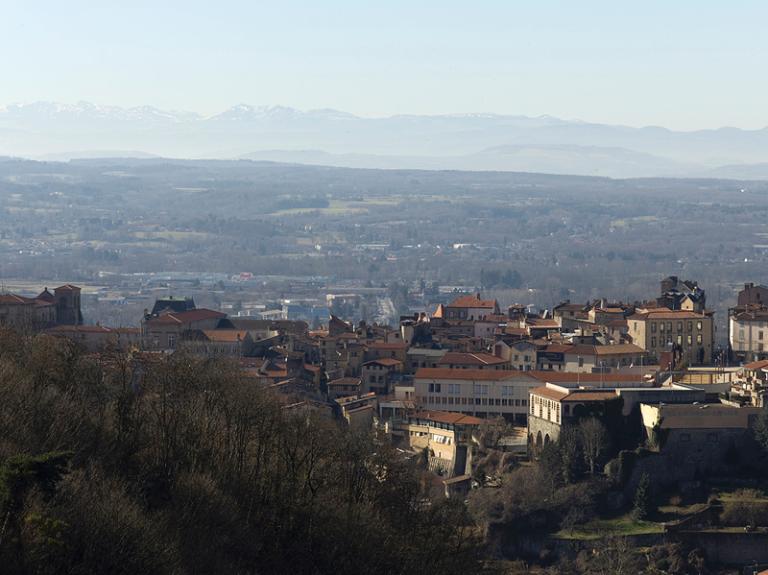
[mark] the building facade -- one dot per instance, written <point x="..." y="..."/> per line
<point x="689" y="334"/>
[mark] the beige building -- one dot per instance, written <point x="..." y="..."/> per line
<point x="359" y="411"/>
<point x="477" y="392"/>
<point x="586" y="358"/>
<point x="468" y="307"/>
<point x="689" y="417"/>
<point x="748" y="332"/>
<point x="690" y="334"/>
<point x="26" y="314"/>
<point x="445" y="436"/>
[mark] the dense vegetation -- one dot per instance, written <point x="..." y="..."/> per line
<point x="179" y="465"/>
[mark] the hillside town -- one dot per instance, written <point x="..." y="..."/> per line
<point x="473" y="390"/>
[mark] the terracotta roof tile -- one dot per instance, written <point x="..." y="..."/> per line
<point x="447" y="417"/>
<point x="388" y="361"/>
<point x="473" y="301"/>
<point x="462" y="358"/>
<point x="468" y="374"/>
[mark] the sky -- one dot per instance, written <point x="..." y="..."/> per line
<point x="682" y="64"/>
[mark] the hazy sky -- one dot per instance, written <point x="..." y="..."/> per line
<point x="680" y="63"/>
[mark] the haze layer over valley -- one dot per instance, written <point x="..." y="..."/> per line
<point x="53" y="131"/>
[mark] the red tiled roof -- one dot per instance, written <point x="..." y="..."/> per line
<point x="586" y="350"/>
<point x="447" y="417"/>
<point x="591" y="396"/>
<point x="13" y="299"/>
<point x="610" y="310"/>
<point x="388" y="361"/>
<point x="468" y="374"/>
<point x="515" y="330"/>
<point x="574" y="394"/>
<point x="462" y="358"/>
<point x="473" y="301"/>
<point x="495" y="318"/>
<point x="225" y="335"/>
<point x="756" y="364"/>
<point x="664" y="313"/>
<point x="549" y="393"/>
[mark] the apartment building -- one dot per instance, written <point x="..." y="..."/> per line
<point x="689" y="334"/>
<point x="476" y="392"/>
<point x="748" y="332"/>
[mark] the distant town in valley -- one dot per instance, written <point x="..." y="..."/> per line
<point x="571" y="369"/>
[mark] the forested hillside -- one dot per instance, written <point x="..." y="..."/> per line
<point x="179" y="465"/>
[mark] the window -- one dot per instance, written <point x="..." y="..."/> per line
<point x="506" y="390"/>
<point x="669" y="326"/>
<point x="434" y="388"/>
<point x="481" y="389"/>
<point x="653" y="342"/>
<point x="690" y="339"/>
<point x="653" y="327"/>
<point x="581" y="362"/>
<point x="759" y="335"/>
<point x="741" y="334"/>
<point x="454" y="388"/>
<point x="760" y="347"/>
<point x="661" y="326"/>
<point x="679" y="340"/>
<point x="679" y="327"/>
<point x="698" y="325"/>
<point x="690" y="326"/>
<point x="171" y="341"/>
<point x="698" y="338"/>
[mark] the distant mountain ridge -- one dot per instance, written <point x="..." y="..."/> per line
<point x="482" y="141"/>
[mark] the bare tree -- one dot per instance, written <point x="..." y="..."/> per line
<point x="594" y="440"/>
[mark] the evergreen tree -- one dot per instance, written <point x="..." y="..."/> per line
<point x="642" y="504"/>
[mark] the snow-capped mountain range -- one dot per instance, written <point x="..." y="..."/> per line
<point x="326" y="136"/>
